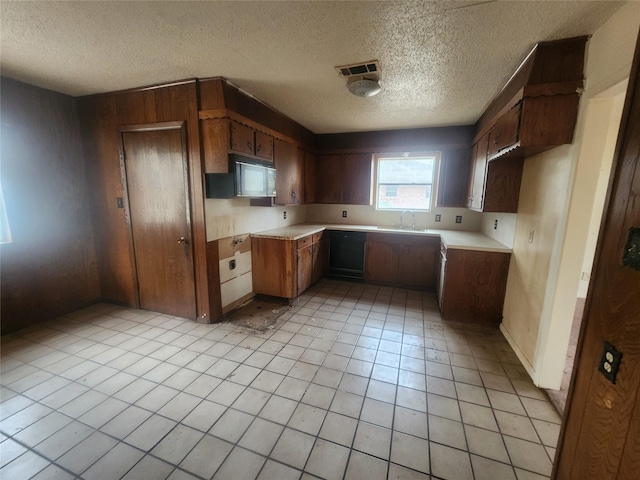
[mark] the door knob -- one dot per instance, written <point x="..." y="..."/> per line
<point x="182" y="240"/>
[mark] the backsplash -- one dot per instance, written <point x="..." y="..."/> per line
<point x="368" y="215"/>
<point x="225" y="218"/>
<point x="504" y="231"/>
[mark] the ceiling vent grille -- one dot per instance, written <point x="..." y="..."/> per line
<point x="359" y="69"/>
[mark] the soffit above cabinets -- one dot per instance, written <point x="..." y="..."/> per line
<point x="442" y="61"/>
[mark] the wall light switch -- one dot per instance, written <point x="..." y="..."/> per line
<point x="531" y="234"/>
<point x="119" y="202"/>
<point x="458" y="218"/>
<point x="344" y="214"/>
<point x="438" y="217"/>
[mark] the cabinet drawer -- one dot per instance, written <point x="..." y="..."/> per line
<point x="317" y="237"/>
<point x="303" y="242"/>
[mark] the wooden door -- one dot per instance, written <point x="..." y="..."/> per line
<point x="320" y="258"/>
<point x="356" y="179"/>
<point x="418" y="265"/>
<point x="155" y="165"/>
<point x="600" y="437"/>
<point x="309" y="177"/>
<point x="288" y="173"/>
<point x="305" y="268"/>
<point x="329" y="179"/>
<point x="381" y="263"/>
<point x="476" y="188"/>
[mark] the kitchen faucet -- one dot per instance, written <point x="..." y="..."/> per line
<point x="413" y="225"/>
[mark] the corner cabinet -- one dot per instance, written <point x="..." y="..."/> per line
<point x="402" y="260"/>
<point x="472" y="285"/>
<point x="286" y="268"/>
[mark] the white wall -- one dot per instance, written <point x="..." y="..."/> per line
<point x="368" y="215"/>
<point x="235" y="216"/>
<point x="537" y="317"/>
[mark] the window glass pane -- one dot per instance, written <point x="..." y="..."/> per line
<point x="405" y="183"/>
<point x="406" y="170"/>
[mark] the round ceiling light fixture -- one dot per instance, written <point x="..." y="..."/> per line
<point x="364" y="87"/>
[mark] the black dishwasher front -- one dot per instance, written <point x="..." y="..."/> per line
<point x="346" y="254"/>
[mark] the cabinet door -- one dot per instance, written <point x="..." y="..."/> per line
<point x="381" y="262"/>
<point x="476" y="196"/>
<point x="241" y="138"/>
<point x="214" y="135"/>
<point x="453" y="179"/>
<point x="502" y="185"/>
<point x="288" y="173"/>
<point x="418" y="265"/>
<point x="329" y="179"/>
<point x="264" y="146"/>
<point x="320" y="259"/>
<point x="304" y="268"/>
<point x="273" y="265"/>
<point x="356" y="179"/>
<point x="309" y="177"/>
<point x="474" y="286"/>
<point x="505" y="133"/>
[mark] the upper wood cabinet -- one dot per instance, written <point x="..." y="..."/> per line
<point x="245" y="140"/>
<point x="344" y="179"/>
<point x="537" y="110"/>
<point x="289" y="163"/>
<point x="494" y="184"/>
<point x="310" y="180"/>
<point x="220" y="136"/>
<point x="455" y="166"/>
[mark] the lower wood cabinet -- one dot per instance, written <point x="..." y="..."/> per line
<point x="402" y="260"/>
<point x="286" y="268"/>
<point x="472" y="285"/>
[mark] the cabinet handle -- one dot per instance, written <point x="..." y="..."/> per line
<point x="258" y="147"/>
<point x="249" y="145"/>
<point x="293" y="194"/>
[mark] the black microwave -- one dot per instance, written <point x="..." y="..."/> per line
<point x="248" y="178"/>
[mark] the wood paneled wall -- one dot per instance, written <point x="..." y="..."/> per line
<point x="50" y="267"/>
<point x="103" y="115"/>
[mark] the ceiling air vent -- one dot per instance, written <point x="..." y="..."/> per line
<point x="359" y="69"/>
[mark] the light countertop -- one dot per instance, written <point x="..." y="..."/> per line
<point x="454" y="239"/>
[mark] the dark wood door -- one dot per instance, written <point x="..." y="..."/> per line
<point x="476" y="189"/>
<point x="381" y="264"/>
<point x="289" y="169"/>
<point x="305" y="268"/>
<point x="309" y="177"/>
<point x="418" y="265"/>
<point x="356" y="179"/>
<point x="329" y="179"/>
<point x="600" y="437"/>
<point x="157" y="185"/>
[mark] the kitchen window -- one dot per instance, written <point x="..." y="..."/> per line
<point x="406" y="181"/>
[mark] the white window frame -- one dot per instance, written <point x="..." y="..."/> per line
<point x="408" y="155"/>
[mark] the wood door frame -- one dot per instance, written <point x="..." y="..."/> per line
<point x="156" y="127"/>
<point x="566" y="453"/>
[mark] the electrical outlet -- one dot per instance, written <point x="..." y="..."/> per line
<point x="438" y="217"/>
<point x="610" y="362"/>
<point x="458" y="218"/>
<point x="232" y="264"/>
<point x="344" y="214"/>
<point x="495" y="224"/>
<point x="284" y="215"/>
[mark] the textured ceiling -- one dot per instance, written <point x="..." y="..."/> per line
<point x="441" y="62"/>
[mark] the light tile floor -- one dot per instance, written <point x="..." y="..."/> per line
<point x="355" y="381"/>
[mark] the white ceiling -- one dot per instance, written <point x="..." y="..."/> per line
<point x="442" y="61"/>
